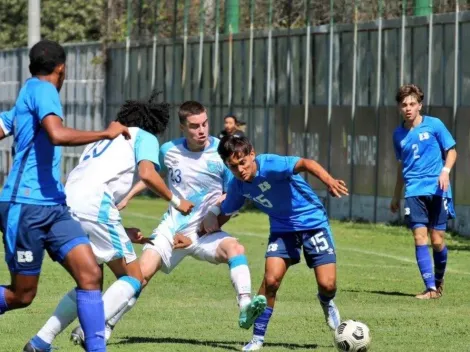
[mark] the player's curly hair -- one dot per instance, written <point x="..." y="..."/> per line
<point x="149" y="115"/>
<point x="234" y="145"/>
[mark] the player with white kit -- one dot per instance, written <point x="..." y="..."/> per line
<point x="106" y="172"/>
<point x="196" y="172"/>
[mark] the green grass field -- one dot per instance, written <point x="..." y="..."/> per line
<point x="194" y="308"/>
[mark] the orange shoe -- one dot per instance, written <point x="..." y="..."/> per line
<point x="428" y="294"/>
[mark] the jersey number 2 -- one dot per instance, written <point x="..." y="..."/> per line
<point x="415" y="148"/>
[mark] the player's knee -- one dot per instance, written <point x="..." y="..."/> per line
<point x="24" y="298"/>
<point x="237" y="248"/>
<point x="89" y="278"/>
<point x="327" y="286"/>
<point x="272" y="284"/>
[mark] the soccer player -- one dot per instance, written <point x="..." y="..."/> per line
<point x="426" y="154"/>
<point x="105" y="174"/>
<point x="33" y="213"/>
<point x="195" y="172"/>
<point x="297" y="219"/>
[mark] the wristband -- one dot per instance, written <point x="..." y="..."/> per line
<point x="175" y="201"/>
<point x="215" y="210"/>
<point x="446" y="169"/>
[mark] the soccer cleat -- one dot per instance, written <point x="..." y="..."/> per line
<point x="331" y="312"/>
<point x="30" y="348"/>
<point x="77" y="336"/>
<point x="253" y="345"/>
<point x="428" y="294"/>
<point x="250" y="312"/>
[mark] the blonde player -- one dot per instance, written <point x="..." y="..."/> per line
<point x="106" y="173"/>
<point x="196" y="172"/>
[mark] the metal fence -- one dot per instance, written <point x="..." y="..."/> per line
<point x="323" y="92"/>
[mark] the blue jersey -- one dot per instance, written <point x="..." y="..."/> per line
<point x="422" y="151"/>
<point x="276" y="190"/>
<point x="6" y="121"/>
<point x="35" y="174"/>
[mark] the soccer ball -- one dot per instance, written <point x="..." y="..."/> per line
<point x="352" y="336"/>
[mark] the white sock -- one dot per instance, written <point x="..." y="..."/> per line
<point x="114" y="320"/>
<point x="241" y="278"/>
<point x="118" y="295"/>
<point x="64" y="314"/>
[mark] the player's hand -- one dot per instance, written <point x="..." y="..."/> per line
<point x="122" y="204"/>
<point x="115" y="129"/>
<point x="135" y="235"/>
<point x="395" y="204"/>
<point x="337" y="188"/>
<point x="444" y="181"/>
<point x="180" y="241"/>
<point x="210" y="223"/>
<point x="221" y="199"/>
<point x="185" y="207"/>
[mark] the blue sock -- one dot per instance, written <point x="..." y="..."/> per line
<point x="90" y="311"/>
<point x="40" y="344"/>
<point x="325" y="299"/>
<point x="261" y="324"/>
<point x="425" y="266"/>
<point x="440" y="262"/>
<point x="3" y="302"/>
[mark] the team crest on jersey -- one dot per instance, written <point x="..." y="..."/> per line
<point x="214" y="167"/>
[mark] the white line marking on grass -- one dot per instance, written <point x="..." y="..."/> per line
<point x="342" y="248"/>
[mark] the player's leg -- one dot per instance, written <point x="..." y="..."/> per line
<point x="68" y="244"/>
<point x="319" y="253"/>
<point x="24" y="252"/>
<point x="417" y="218"/>
<point x="282" y="252"/>
<point x="155" y="257"/>
<point x="220" y="247"/>
<point x="441" y="210"/>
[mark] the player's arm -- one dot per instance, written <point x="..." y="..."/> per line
<point x="44" y="102"/>
<point x="335" y="187"/>
<point x="399" y="184"/>
<point x="451" y="158"/>
<point x="6" y="123"/>
<point x="150" y="177"/>
<point x="137" y="189"/>
<point x="65" y="136"/>
<point x="447" y="144"/>
<point x="220" y="213"/>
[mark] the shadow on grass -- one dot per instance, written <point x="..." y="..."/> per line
<point x="226" y="345"/>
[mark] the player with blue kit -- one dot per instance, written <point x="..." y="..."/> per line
<point x="297" y="220"/>
<point x="33" y="213"/>
<point x="426" y="153"/>
<point x="106" y="172"/>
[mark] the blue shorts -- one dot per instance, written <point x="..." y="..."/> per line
<point x="29" y="229"/>
<point x="318" y="246"/>
<point x="428" y="211"/>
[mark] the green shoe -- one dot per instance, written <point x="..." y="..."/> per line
<point x="252" y="311"/>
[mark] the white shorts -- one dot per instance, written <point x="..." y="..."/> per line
<point x="203" y="248"/>
<point x="108" y="241"/>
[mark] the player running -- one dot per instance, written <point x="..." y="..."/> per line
<point x="426" y="153"/>
<point x="297" y="219"/>
<point x="195" y="172"/>
<point x="33" y="213"/>
<point x="105" y="174"/>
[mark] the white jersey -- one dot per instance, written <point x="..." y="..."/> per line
<point x="200" y="177"/>
<point x="106" y="172"/>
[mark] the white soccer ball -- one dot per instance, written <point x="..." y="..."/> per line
<point x="352" y="336"/>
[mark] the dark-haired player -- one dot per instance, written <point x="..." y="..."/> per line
<point x="106" y="173"/>
<point x="196" y="172"/>
<point x="297" y="219"/>
<point x="426" y="153"/>
<point x="33" y="213"/>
